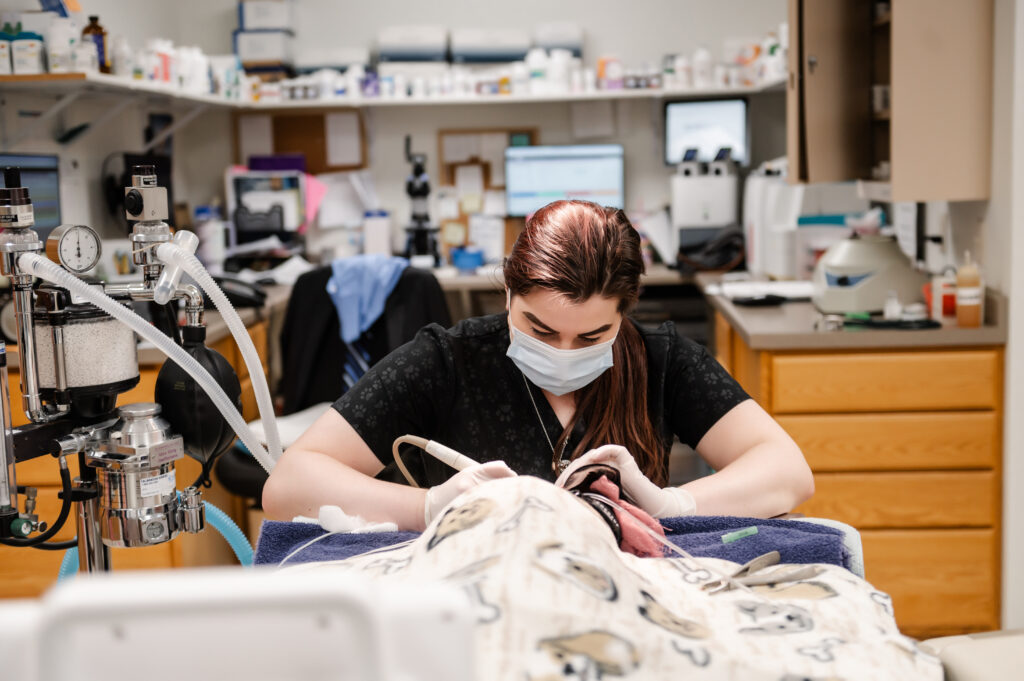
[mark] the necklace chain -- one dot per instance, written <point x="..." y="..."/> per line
<point x="558" y="463"/>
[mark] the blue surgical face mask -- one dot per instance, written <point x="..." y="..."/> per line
<point x="558" y="371"/>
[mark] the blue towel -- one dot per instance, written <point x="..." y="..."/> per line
<point x="359" y="286"/>
<point x="701" y="536"/>
<point x="277" y="539"/>
<point x="797" y="542"/>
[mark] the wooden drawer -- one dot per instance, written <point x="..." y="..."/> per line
<point x="941" y="581"/>
<point x="917" y="499"/>
<point x="886" y="381"/>
<point x="723" y="342"/>
<point x="908" y="441"/>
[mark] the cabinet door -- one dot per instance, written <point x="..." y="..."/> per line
<point x="829" y="105"/>
<point x="942" y="74"/>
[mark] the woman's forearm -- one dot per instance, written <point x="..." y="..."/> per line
<point x="305" y="480"/>
<point x="768" y="480"/>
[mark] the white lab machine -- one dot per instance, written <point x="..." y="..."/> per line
<point x="857" y="275"/>
<point x="257" y="625"/>
<point x="772" y="209"/>
<point x="708" y="199"/>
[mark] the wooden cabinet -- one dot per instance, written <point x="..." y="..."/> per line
<point x="935" y="56"/>
<point x="905" y="446"/>
<point x="28" y="572"/>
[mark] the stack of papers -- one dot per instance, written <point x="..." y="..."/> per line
<point x="797" y="290"/>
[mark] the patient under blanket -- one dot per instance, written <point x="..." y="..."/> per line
<point x="555" y="598"/>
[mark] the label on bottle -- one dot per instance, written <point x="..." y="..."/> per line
<point x="101" y="52"/>
<point x="968" y="295"/>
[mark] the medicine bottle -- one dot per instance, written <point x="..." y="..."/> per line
<point x="969" y="294"/>
<point x="98" y="35"/>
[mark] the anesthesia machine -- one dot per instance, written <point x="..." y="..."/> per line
<point x="77" y="353"/>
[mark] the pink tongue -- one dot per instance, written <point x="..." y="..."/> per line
<point x="632" y="519"/>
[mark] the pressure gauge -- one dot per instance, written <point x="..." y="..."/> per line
<point x="76" y="247"/>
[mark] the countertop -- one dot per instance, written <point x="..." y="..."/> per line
<point x="216" y="327"/>
<point x="791" y="327"/>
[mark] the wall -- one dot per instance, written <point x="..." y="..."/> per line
<point x="643" y="32"/>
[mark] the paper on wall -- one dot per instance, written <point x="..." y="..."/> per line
<point x="447" y="204"/>
<point x="592" y="119"/>
<point x="255" y="137"/>
<point x="494" y="203"/>
<point x="492" y="152"/>
<point x="344" y="143"/>
<point x="469" y="181"/>
<point x="488" y="232"/>
<point x="460" y="148"/>
<point x="342" y="206"/>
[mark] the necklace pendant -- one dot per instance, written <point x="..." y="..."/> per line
<point x="561" y="466"/>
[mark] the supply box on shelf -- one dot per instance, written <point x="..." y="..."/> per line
<point x="265" y="46"/>
<point x="261" y="15"/>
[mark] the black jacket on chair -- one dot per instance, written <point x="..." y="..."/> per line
<point x="312" y="351"/>
<point x="313" y="354"/>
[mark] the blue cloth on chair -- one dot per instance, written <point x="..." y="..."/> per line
<point x="701" y="536"/>
<point x="359" y="286"/>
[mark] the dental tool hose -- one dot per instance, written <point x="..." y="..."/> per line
<point x="41" y="267"/>
<point x="444" y="454"/>
<point x="178" y="258"/>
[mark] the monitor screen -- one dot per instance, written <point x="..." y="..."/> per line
<point x="40" y="175"/>
<point x="706" y="125"/>
<point x="536" y="176"/>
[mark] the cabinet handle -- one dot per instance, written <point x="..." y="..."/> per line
<point x="812" y="61"/>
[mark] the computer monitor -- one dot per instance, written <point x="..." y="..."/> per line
<point x="536" y="176"/>
<point x="706" y="125"/>
<point x="39" y="172"/>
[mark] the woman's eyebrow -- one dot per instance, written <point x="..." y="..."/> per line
<point x="597" y="331"/>
<point x="533" y="318"/>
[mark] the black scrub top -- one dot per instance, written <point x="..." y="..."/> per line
<point x="457" y="387"/>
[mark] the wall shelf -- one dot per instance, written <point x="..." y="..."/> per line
<point x="98" y="83"/>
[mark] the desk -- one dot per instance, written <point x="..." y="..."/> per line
<point x="461" y="287"/>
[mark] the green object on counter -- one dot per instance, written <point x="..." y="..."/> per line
<point x="730" y="537"/>
<point x="858" y="315"/>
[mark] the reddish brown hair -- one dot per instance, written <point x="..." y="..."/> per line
<point x="580" y="249"/>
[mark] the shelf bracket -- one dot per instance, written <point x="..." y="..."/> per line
<point x="174" y="127"/>
<point x="30" y="129"/>
<point x="108" y="116"/>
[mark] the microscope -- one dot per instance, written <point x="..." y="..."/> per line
<point x="422" y="239"/>
<point x="76" y="358"/>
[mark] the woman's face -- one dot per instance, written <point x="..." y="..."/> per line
<point x="563" y="324"/>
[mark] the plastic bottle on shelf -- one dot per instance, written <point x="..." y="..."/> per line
<point x="537" y="63"/>
<point x="60" y="42"/>
<point x="703" y="69"/>
<point x="969" y="294"/>
<point x="98" y="35"/>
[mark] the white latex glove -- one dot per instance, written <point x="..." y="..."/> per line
<point x="439" y="496"/>
<point x="669" y="502"/>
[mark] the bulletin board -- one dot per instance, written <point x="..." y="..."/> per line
<point x="331" y="141"/>
<point x="471" y="158"/>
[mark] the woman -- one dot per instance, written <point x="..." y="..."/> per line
<point x="563" y="373"/>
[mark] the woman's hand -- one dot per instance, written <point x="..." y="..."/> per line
<point x="441" y="495"/>
<point x="669" y="502"/>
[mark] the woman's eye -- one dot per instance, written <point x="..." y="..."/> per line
<point x="542" y="333"/>
<point x="588" y="340"/>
